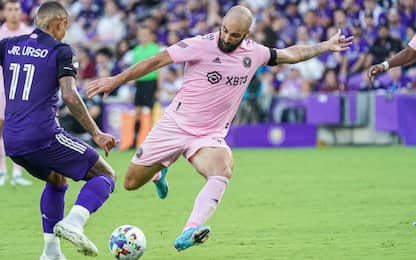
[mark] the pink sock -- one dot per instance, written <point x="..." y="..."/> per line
<point x="156" y="177"/>
<point x="2" y="157"/>
<point x="207" y="201"/>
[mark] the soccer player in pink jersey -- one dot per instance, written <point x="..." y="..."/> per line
<point x="12" y="26"/>
<point x="218" y="68"/>
<point x="405" y="56"/>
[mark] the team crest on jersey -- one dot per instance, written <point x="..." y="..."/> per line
<point x="214" y="77"/>
<point x="139" y="152"/>
<point x="182" y="44"/>
<point x="247" y="62"/>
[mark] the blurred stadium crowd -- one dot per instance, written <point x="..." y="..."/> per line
<point x="105" y="33"/>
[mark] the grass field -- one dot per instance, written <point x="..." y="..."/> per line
<point x="330" y="203"/>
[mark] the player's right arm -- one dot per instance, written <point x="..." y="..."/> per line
<point x="403" y="57"/>
<point x="78" y="109"/>
<point x="66" y="77"/>
<point x="108" y="84"/>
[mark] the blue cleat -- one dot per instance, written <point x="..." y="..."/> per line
<point x="192" y="237"/>
<point x="162" y="186"/>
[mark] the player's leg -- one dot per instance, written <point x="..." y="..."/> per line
<point x="17" y="176"/>
<point x="52" y="205"/>
<point x="3" y="168"/>
<point x="215" y="164"/>
<point x="51" y="202"/>
<point x="162" y="147"/>
<point x="100" y="181"/>
<point x="74" y="159"/>
<point x="137" y="175"/>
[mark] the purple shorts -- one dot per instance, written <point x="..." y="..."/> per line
<point x="66" y="155"/>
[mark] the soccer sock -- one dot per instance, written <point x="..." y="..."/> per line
<point x="52" y="245"/>
<point x="207" y="201"/>
<point x="156" y="177"/>
<point x="95" y="192"/>
<point x="17" y="170"/>
<point x="52" y="203"/>
<point x="77" y="216"/>
<point x="3" y="168"/>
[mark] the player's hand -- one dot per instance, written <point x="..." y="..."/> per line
<point x="374" y="70"/>
<point x="340" y="42"/>
<point x="103" y="85"/>
<point x="105" y="141"/>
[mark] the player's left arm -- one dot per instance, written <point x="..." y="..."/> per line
<point x="108" y="84"/>
<point x="299" y="53"/>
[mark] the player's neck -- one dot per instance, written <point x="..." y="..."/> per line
<point x="12" y="26"/>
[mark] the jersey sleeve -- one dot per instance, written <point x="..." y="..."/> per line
<point x="186" y="50"/>
<point x="265" y="55"/>
<point x="66" y="62"/>
<point x="412" y="43"/>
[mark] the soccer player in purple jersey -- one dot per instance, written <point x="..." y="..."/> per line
<point x="218" y="68"/>
<point x="12" y="26"/>
<point x="35" y="67"/>
<point x="403" y="57"/>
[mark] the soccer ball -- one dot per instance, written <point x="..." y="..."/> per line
<point x="127" y="242"/>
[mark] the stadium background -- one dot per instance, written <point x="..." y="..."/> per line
<point x="328" y="98"/>
<point x="354" y="202"/>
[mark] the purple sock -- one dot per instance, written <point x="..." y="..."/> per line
<point x="52" y="203"/>
<point x="95" y="192"/>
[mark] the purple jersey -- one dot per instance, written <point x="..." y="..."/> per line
<point x="32" y="65"/>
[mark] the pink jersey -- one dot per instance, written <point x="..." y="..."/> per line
<point x="4" y="33"/>
<point x="412" y="43"/>
<point x="214" y="83"/>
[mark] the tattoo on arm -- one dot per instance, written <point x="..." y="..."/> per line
<point x="75" y="104"/>
<point x="299" y="53"/>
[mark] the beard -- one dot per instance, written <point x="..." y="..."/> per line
<point x="226" y="46"/>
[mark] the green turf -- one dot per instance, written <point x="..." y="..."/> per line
<point x="331" y="203"/>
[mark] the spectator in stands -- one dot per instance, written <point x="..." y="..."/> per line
<point x="356" y="59"/>
<point x="407" y="11"/>
<point x="88" y="16"/>
<point x="369" y="29"/>
<point x="286" y="33"/>
<point x="385" y="45"/>
<point x="376" y="10"/>
<point x="324" y="13"/>
<point x="394" y="80"/>
<point x="315" y="31"/>
<point x="110" y="26"/>
<point x="330" y="82"/>
<point x="310" y="70"/>
<point x="171" y="82"/>
<point x="86" y="64"/>
<point x="396" y="29"/>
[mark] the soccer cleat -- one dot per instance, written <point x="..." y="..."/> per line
<point x="3" y="178"/>
<point x="55" y="257"/>
<point x="76" y="237"/>
<point x="19" y="180"/>
<point x="162" y="186"/>
<point x="192" y="237"/>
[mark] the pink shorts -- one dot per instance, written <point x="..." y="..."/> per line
<point x="166" y="142"/>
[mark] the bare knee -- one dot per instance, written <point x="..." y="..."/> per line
<point x="56" y="179"/>
<point x="228" y="173"/>
<point x="130" y="184"/>
<point x="101" y="167"/>
<point x="139" y="175"/>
